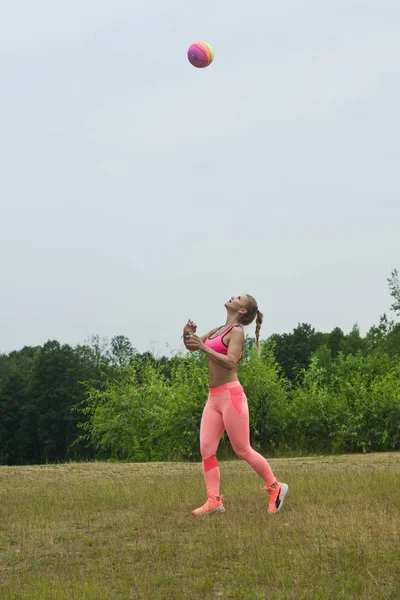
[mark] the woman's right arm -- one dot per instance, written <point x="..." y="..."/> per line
<point x="189" y="328"/>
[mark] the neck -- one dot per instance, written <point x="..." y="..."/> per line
<point x="231" y="320"/>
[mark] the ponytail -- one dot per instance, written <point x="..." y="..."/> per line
<point x="259" y="320"/>
<point x="251" y="314"/>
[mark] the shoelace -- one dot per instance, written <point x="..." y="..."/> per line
<point x="270" y="489"/>
<point x="216" y="498"/>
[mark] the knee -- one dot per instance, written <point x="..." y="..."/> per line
<point x="243" y="452"/>
<point x="206" y="450"/>
<point x="210" y="462"/>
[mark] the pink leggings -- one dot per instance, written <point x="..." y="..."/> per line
<point x="227" y="408"/>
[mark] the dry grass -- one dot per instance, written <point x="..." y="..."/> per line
<point x="120" y="531"/>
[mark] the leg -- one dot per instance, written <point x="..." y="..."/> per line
<point x="211" y="430"/>
<point x="236" y="421"/>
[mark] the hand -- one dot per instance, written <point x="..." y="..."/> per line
<point x="193" y="342"/>
<point x="190" y="327"/>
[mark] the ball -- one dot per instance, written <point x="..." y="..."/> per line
<point x="200" y="55"/>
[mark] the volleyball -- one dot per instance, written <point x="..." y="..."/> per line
<point x="200" y="55"/>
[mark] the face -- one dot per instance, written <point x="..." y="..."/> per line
<point x="236" y="303"/>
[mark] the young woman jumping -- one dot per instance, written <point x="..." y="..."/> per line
<point x="226" y="407"/>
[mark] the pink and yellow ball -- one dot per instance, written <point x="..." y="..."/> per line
<point x="200" y="55"/>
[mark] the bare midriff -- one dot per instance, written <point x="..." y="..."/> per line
<point x="218" y="375"/>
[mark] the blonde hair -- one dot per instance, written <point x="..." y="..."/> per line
<point x="252" y="313"/>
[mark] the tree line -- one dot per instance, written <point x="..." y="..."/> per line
<point x="309" y="391"/>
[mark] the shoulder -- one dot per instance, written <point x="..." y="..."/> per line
<point x="237" y="333"/>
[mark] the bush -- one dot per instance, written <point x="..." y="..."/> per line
<point x="350" y="404"/>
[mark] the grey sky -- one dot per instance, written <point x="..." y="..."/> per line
<point x="137" y="191"/>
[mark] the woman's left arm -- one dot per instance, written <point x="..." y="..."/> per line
<point x="228" y="361"/>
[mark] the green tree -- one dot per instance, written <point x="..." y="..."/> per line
<point x="293" y="351"/>
<point x="394" y="288"/>
<point x="353" y="342"/>
<point x="393" y="341"/>
<point x="335" y="341"/>
<point x="121" y="351"/>
<point x="323" y="354"/>
<point x="17" y="429"/>
<point x="56" y="386"/>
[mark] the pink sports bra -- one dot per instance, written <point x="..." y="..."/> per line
<point x="218" y="344"/>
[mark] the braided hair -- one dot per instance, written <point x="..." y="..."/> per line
<point x="252" y="313"/>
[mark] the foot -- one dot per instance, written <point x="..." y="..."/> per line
<point x="213" y="505"/>
<point x="276" y="496"/>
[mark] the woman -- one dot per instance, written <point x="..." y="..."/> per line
<point x="226" y="407"/>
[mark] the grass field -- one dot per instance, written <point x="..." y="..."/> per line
<point x="99" y="531"/>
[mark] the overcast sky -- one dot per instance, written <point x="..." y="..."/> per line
<point x="137" y="191"/>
